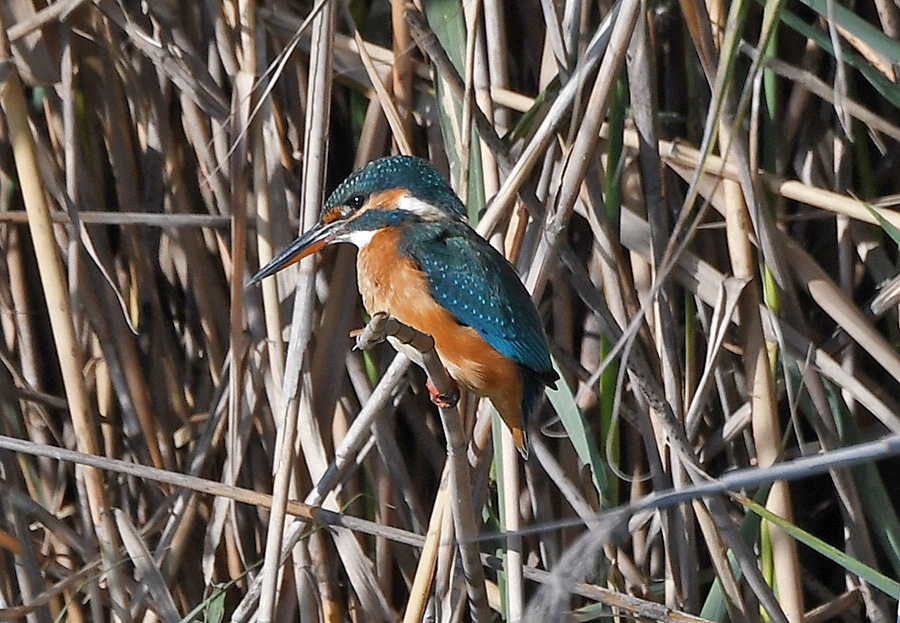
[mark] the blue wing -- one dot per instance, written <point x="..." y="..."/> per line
<point x="470" y="278"/>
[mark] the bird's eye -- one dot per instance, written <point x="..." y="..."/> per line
<point x="356" y="202"/>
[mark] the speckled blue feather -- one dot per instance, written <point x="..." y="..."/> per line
<point x="470" y="279"/>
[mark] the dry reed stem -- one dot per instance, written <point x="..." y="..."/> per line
<point x="140" y="161"/>
<point x="53" y="281"/>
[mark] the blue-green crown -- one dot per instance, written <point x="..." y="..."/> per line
<point x="418" y="176"/>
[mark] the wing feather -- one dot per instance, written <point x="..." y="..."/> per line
<point x="473" y="281"/>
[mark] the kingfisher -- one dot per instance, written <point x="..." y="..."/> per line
<point x="422" y="263"/>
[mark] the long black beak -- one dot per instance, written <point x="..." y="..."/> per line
<point x="307" y="244"/>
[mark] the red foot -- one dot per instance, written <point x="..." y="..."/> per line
<point x="444" y="401"/>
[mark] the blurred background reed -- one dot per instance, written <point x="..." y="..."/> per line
<point x="700" y="196"/>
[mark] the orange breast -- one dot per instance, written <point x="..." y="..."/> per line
<point x="391" y="282"/>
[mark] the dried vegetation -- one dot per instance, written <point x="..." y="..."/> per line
<point x="699" y="195"/>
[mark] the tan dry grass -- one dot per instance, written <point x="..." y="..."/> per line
<point x="158" y="153"/>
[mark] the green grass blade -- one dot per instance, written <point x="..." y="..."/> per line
<point x="889" y="228"/>
<point x="580" y="434"/>
<point x="877" y="506"/>
<point x="447" y="21"/>
<point x="877" y="79"/>
<point x="880" y="581"/>
<point x="857" y="26"/>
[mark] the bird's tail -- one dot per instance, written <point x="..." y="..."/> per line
<point x="509" y="405"/>
<point x="532" y="388"/>
<point x="520" y="436"/>
<point x="516" y="412"/>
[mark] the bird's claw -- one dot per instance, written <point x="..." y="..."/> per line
<point x="442" y="400"/>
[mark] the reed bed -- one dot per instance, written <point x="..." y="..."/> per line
<point x="701" y="198"/>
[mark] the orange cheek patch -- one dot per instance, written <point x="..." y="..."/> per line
<point x="387" y="199"/>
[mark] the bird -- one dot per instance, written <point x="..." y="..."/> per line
<point x="421" y="262"/>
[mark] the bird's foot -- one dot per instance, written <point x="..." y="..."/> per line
<point x="443" y="400"/>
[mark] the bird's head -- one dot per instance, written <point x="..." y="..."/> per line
<point x="384" y="193"/>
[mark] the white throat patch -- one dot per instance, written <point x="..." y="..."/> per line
<point x="359" y="238"/>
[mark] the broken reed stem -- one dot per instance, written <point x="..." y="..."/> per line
<point x="382" y="326"/>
